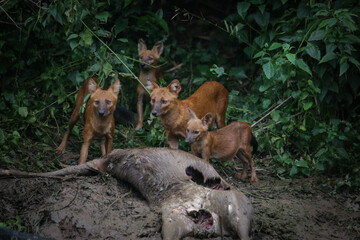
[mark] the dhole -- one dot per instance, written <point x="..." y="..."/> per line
<point x="148" y="59"/>
<point x="210" y="97"/>
<point x="224" y="143"/>
<point x="98" y="118"/>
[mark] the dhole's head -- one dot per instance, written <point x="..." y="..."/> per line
<point x="103" y="101"/>
<point x="149" y="58"/>
<point x="163" y="99"/>
<point x="197" y="128"/>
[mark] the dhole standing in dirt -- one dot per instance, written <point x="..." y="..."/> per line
<point x="210" y="97"/>
<point x="98" y="118"/>
<point x="224" y="143"/>
<point x="148" y="59"/>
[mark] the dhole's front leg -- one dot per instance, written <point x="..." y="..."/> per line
<point x="85" y="147"/>
<point x="140" y="107"/>
<point x="173" y="141"/>
<point x="109" y="144"/>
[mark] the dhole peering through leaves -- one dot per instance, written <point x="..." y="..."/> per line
<point x="148" y="59"/>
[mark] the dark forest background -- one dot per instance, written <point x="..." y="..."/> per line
<point x="297" y="60"/>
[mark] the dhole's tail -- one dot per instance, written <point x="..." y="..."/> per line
<point x="254" y="143"/>
<point x="84" y="89"/>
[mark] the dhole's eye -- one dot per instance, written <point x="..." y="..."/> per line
<point x="187" y="130"/>
<point x="150" y="58"/>
<point x="97" y="102"/>
<point x="164" y="101"/>
<point x="196" y="132"/>
<point x="153" y="100"/>
<point x="108" y="102"/>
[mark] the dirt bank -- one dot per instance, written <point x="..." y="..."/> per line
<point x="100" y="207"/>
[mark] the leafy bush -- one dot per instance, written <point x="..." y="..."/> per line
<point x="294" y="62"/>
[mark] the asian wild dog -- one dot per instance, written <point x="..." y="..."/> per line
<point x="224" y="143"/>
<point x="148" y="59"/>
<point x="98" y="117"/>
<point x="210" y="97"/>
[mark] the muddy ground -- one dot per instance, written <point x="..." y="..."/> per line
<point x="100" y="207"/>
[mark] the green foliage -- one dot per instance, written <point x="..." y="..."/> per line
<point x="317" y="130"/>
<point x="13" y="224"/>
<point x="296" y="62"/>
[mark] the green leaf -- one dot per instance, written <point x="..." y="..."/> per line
<point x="302" y="163"/>
<point x="296" y="94"/>
<point x="303" y="66"/>
<point x="199" y="80"/>
<point x="259" y="54"/>
<point x="242" y="8"/>
<point x="164" y="25"/>
<point x="328" y="22"/>
<point x="275" y="45"/>
<point x="293" y="171"/>
<point x="313" y="51"/>
<point x="107" y="69"/>
<point x="87" y="37"/>
<point x="73" y="44"/>
<point x="266" y="103"/>
<point x="342" y="152"/>
<point x="262" y="19"/>
<point x="237" y="72"/>
<point x="32" y="119"/>
<point x="103" y="16"/>
<point x="291" y="57"/>
<point x="127" y="3"/>
<point x="307" y="105"/>
<point x="23" y="111"/>
<point x="320" y="152"/>
<point x="354" y="61"/>
<point x="328" y="57"/>
<point x="320" y="166"/>
<point x="120" y="25"/>
<point x="124" y="40"/>
<point x="268" y="69"/>
<point x="72" y="36"/>
<point x="343" y="68"/>
<point x="96" y="67"/>
<point x="317" y="35"/>
<point x="275" y="116"/>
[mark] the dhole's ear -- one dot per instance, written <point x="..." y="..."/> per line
<point x="92" y="86"/>
<point x="141" y="45"/>
<point x="192" y="114"/>
<point x="116" y="87"/>
<point x="206" y="120"/>
<point x="174" y="86"/>
<point x="158" y="48"/>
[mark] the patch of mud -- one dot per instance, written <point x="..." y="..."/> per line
<point x="95" y="207"/>
<point x="100" y="207"/>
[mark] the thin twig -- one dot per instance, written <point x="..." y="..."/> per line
<point x="117" y="199"/>
<point x="271" y="111"/>
<point x="10" y="17"/>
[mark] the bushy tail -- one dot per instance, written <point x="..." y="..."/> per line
<point x="254" y="143"/>
<point x="124" y="116"/>
<point x="75" y="115"/>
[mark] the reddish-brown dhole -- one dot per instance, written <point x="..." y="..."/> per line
<point x="225" y="143"/>
<point x="148" y="60"/>
<point x="98" y="118"/>
<point x="210" y="97"/>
